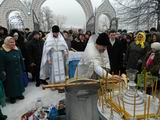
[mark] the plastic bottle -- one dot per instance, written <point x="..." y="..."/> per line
<point x="38" y="103"/>
<point x="53" y="113"/>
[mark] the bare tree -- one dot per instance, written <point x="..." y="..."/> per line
<point x="60" y="20"/>
<point x="140" y="12"/>
<point x="47" y="18"/>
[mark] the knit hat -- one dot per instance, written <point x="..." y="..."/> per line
<point x="155" y="45"/>
<point x="102" y="39"/>
<point x="55" y="29"/>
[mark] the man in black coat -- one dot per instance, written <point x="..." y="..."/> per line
<point x="115" y="52"/>
<point x="34" y="55"/>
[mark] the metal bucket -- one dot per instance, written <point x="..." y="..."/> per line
<point x="81" y="101"/>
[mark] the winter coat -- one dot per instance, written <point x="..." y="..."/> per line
<point x="135" y="55"/>
<point x="12" y="67"/>
<point x="155" y="67"/>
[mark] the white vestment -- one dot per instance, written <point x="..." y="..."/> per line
<point x="93" y="61"/>
<point x="54" y="49"/>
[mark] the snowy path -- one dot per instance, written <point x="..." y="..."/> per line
<point x="14" y="111"/>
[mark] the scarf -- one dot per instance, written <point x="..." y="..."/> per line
<point x="150" y="60"/>
<point x="141" y="42"/>
<point x="7" y="49"/>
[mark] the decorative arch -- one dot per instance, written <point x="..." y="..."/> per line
<point x="91" y="19"/>
<point x="36" y="6"/>
<point x="14" y="9"/>
<point x="8" y="6"/>
<point x="106" y="9"/>
<point x="85" y="4"/>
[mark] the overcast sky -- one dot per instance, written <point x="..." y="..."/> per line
<point x="71" y="10"/>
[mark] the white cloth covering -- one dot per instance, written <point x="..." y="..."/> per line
<point x="93" y="62"/>
<point x="54" y="49"/>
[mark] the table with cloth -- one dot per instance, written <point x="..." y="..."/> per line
<point x="73" y="60"/>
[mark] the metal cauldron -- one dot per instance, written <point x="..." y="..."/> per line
<point x="81" y="101"/>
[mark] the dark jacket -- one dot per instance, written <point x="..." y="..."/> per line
<point x="135" y="55"/>
<point x="115" y="53"/>
<point x="34" y="51"/>
<point x="78" y="45"/>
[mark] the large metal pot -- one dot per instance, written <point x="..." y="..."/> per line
<point x="81" y="101"/>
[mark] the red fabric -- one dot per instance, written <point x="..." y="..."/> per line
<point x="150" y="60"/>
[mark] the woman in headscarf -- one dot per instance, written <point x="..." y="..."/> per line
<point x="13" y="67"/>
<point x="136" y="52"/>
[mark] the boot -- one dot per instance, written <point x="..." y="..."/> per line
<point x="12" y="100"/>
<point x="2" y="117"/>
<point x="44" y="82"/>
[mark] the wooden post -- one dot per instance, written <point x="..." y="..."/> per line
<point x="149" y="103"/>
<point x="77" y="72"/>
<point x="155" y="91"/>
<point x="134" y="111"/>
<point x="145" y="110"/>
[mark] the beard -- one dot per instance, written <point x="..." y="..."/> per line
<point x="55" y="36"/>
<point x="101" y="51"/>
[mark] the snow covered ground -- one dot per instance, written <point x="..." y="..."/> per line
<point x="32" y="93"/>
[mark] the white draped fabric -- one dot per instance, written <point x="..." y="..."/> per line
<point x="92" y="61"/>
<point x="54" y="49"/>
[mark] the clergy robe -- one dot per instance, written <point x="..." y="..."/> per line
<point x="54" y="50"/>
<point x="93" y="63"/>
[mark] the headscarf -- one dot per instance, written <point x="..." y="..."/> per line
<point x="141" y="42"/>
<point x="5" y="46"/>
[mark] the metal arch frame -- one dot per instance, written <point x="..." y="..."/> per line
<point x="105" y="8"/>
<point x="8" y="6"/>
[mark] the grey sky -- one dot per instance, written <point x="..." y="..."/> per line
<point x="71" y="9"/>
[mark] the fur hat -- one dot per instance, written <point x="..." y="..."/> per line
<point x="55" y="29"/>
<point x="102" y="39"/>
<point x="155" y="45"/>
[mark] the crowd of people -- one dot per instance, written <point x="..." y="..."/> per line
<point x="44" y="55"/>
